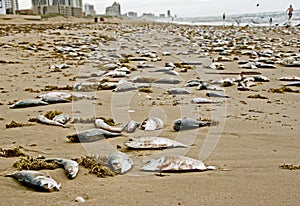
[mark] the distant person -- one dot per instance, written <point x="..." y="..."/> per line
<point x="290" y="12"/>
<point x="270" y="21"/>
<point x="224" y="16"/>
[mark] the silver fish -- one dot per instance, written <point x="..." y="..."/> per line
<point x="35" y="179"/>
<point x="152" y="123"/>
<point x="200" y="100"/>
<point x="289" y="78"/>
<point x="173" y="163"/>
<point x="102" y="125"/>
<point x="120" y="162"/>
<point x="70" y="166"/>
<point x="167" y="81"/>
<point x="295" y="84"/>
<point x="92" y="135"/>
<point x="54" y="100"/>
<point x="260" y="78"/>
<point x="131" y="126"/>
<point x="189" y="123"/>
<point x="62" y="118"/>
<point x="215" y="94"/>
<point x="45" y="120"/>
<point x="178" y="91"/>
<point x="28" y="103"/>
<point x="152" y="143"/>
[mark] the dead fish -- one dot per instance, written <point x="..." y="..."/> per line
<point x="167" y="81"/>
<point x="174" y="163"/>
<point x="116" y="74"/>
<point x="189" y="123"/>
<point x="215" y="88"/>
<point x="295" y="84"/>
<point x="153" y="143"/>
<point x="193" y="83"/>
<point x="54" y="100"/>
<point x="70" y="166"/>
<point x="289" y="78"/>
<point x="260" y="78"/>
<point x="242" y="87"/>
<point x="131" y="126"/>
<point x="102" y="125"/>
<point x="45" y="120"/>
<point x="28" y="103"/>
<point x="200" y="100"/>
<point x="92" y="135"/>
<point x="178" y="91"/>
<point x="215" y="94"/>
<point x="152" y="123"/>
<point x="120" y="162"/>
<point x="62" y="118"/>
<point x="37" y="180"/>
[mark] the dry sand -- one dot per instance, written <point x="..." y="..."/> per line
<point x="254" y="137"/>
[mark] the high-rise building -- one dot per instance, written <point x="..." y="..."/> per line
<point x="2" y="7"/>
<point x="114" y="10"/>
<point x="7" y="4"/>
<point x="89" y="10"/>
<point x="64" y="7"/>
<point x="168" y="13"/>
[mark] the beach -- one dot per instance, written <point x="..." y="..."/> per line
<point x="253" y="137"/>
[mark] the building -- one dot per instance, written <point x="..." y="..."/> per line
<point x="89" y="10"/>
<point x="132" y="14"/>
<point x="169" y="13"/>
<point x="6" y="6"/>
<point x="2" y="7"/>
<point x="64" y="7"/>
<point x="114" y="10"/>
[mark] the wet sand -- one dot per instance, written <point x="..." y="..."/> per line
<point x="253" y="138"/>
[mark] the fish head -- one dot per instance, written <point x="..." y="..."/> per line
<point x="49" y="185"/>
<point x="72" y="171"/>
<point x="177" y="125"/>
<point x="120" y="163"/>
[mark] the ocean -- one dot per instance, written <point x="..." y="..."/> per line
<point x="253" y="19"/>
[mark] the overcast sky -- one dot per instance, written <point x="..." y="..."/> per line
<point x="190" y="8"/>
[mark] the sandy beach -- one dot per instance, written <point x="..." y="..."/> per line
<point x="253" y="137"/>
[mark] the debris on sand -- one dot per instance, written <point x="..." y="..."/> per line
<point x="15" y="152"/>
<point x="29" y="163"/>
<point x="94" y="167"/>
<point x="52" y="114"/>
<point x="91" y="120"/>
<point x="289" y="167"/>
<point x="14" y="124"/>
<point x="146" y="90"/>
<point x="282" y="90"/>
<point x="257" y="96"/>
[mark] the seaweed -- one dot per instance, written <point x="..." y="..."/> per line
<point x="29" y="163"/>
<point x="51" y="88"/>
<point x="15" y="152"/>
<point x="52" y="114"/>
<point x="282" y="90"/>
<point x="91" y="120"/>
<point x="14" y="124"/>
<point x="257" y="96"/>
<point x="146" y="90"/>
<point x="94" y="167"/>
<point x="289" y="167"/>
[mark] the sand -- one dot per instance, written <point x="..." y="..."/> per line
<point x="254" y="136"/>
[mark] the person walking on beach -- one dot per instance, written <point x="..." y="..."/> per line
<point x="224" y="16"/>
<point x="290" y="12"/>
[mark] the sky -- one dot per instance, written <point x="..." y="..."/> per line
<point x="190" y="8"/>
